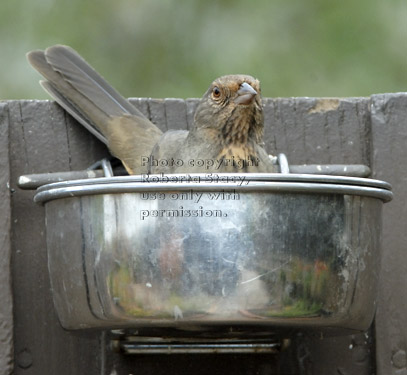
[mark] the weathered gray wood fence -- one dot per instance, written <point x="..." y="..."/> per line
<point x="38" y="137"/>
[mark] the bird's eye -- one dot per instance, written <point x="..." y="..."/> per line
<point x="216" y="92"/>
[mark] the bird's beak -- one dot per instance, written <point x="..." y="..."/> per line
<point x="245" y="94"/>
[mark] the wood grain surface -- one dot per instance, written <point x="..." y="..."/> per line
<point x="6" y="306"/>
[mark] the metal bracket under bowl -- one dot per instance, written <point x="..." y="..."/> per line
<point x="137" y="342"/>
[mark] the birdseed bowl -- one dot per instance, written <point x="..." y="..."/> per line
<point x="268" y="252"/>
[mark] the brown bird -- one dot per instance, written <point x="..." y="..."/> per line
<point x="226" y="137"/>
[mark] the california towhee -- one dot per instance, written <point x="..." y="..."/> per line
<point x="228" y="124"/>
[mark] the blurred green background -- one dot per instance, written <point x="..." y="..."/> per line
<point x="175" y="48"/>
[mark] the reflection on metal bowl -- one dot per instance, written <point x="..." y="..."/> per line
<point x="201" y="251"/>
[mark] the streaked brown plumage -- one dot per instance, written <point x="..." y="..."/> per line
<point x="228" y="123"/>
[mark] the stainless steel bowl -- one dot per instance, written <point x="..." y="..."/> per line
<point x="193" y="252"/>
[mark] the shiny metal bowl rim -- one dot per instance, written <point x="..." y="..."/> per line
<point x="239" y="182"/>
<point x="210" y="177"/>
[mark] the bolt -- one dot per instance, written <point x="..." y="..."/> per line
<point x="24" y="359"/>
<point x="399" y="359"/>
<point x="360" y="354"/>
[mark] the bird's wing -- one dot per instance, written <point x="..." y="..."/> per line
<point x="166" y="156"/>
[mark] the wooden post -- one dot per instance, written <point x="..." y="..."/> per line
<point x="6" y="304"/>
<point x="389" y="141"/>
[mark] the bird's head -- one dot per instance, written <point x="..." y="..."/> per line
<point x="232" y="105"/>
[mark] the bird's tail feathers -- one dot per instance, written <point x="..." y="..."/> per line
<point x="72" y="110"/>
<point x="79" y="88"/>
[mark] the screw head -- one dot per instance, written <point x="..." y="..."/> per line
<point x="399" y="359"/>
